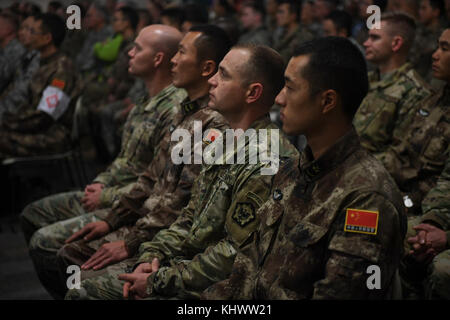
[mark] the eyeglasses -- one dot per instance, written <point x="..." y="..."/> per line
<point x="33" y="31"/>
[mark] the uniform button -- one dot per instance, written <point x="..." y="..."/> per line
<point x="277" y="195"/>
<point x="172" y="128"/>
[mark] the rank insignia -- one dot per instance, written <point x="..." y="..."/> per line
<point x="244" y="214"/>
<point x="361" y="221"/>
<point x="58" y="83"/>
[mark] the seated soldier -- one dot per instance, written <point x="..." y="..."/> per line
<point x="42" y="124"/>
<point x="12" y="50"/>
<point x="225" y="196"/>
<point x="334" y="211"/>
<point x="17" y="93"/>
<point x="416" y="158"/>
<point x="395" y="88"/>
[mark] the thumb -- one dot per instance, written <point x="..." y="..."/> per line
<point x="424" y="227"/>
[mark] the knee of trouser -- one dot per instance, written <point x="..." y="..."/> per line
<point x="439" y="277"/>
<point x="39" y="241"/>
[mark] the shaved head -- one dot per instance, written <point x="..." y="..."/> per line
<point x="162" y="38"/>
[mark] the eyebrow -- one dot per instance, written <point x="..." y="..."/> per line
<point x="223" y="70"/>
<point x="443" y="43"/>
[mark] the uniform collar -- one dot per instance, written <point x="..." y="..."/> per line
<point x="154" y="101"/>
<point x="387" y="81"/>
<point x="313" y="170"/>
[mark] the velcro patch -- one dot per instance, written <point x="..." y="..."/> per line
<point x="58" y="83"/>
<point x="244" y="214"/>
<point x="361" y="221"/>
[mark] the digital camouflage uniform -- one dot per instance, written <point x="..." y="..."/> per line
<point x="388" y="107"/>
<point x="17" y="92"/>
<point x="29" y="131"/>
<point x="288" y="42"/>
<point x="147" y="123"/>
<point x="10" y="60"/>
<point x="417" y="157"/>
<point x="163" y="188"/>
<point x="431" y="281"/>
<point x="260" y="36"/>
<point x="194" y="252"/>
<point x="309" y="244"/>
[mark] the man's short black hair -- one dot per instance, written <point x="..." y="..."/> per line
<point x="213" y="44"/>
<point x="130" y="15"/>
<point x="341" y="20"/>
<point x="195" y="13"/>
<point x="257" y="6"/>
<point x="175" y="15"/>
<point x="53" y="24"/>
<point x="335" y="63"/>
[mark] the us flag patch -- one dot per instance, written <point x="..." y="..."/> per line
<point x="361" y="221"/>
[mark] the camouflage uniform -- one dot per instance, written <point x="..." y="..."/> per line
<point x="147" y="123"/>
<point x="30" y="131"/>
<point x="10" y="60"/>
<point x="388" y="107"/>
<point x="193" y="251"/>
<point x="259" y="36"/>
<point x="416" y="158"/>
<point x="423" y="48"/>
<point x="163" y="189"/>
<point x="305" y="248"/>
<point x="435" y="277"/>
<point x="289" y="41"/>
<point x="17" y="92"/>
<point x="85" y="59"/>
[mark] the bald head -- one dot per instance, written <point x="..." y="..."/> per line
<point x="161" y="38"/>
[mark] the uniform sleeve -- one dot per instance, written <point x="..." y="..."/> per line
<point x="189" y="278"/>
<point x="349" y="254"/>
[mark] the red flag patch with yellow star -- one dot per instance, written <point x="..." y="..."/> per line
<point x="361" y="221"/>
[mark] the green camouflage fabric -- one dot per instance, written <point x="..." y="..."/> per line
<point x="29" y="131"/>
<point x="430" y="281"/>
<point x="73" y="42"/>
<point x="416" y="159"/>
<point x="17" y="92"/>
<point x="389" y="107"/>
<point x="170" y="192"/>
<point x="288" y="42"/>
<point x="195" y="251"/>
<point x="146" y="124"/>
<point x="423" y="48"/>
<point x="260" y="36"/>
<point x="303" y="247"/>
<point x="10" y="60"/>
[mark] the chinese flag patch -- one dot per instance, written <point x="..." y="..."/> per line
<point x="212" y="135"/>
<point x="58" y="83"/>
<point x="361" y="221"/>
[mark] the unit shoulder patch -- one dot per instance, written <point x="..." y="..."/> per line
<point x="361" y="221"/>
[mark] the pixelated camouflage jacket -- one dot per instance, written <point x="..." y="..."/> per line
<point x="389" y="107"/>
<point x="54" y="135"/>
<point x="304" y="246"/>
<point x="10" y="60"/>
<point x="417" y="158"/>
<point x="436" y="205"/>
<point x="195" y="251"/>
<point x="165" y="187"/>
<point x="146" y="125"/>
<point x="289" y="42"/>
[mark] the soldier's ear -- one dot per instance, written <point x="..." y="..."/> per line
<point x="254" y="92"/>
<point x="208" y="68"/>
<point x="397" y="43"/>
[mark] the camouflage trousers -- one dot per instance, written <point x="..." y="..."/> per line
<point x="49" y="210"/>
<point x="421" y="281"/>
<point x="45" y="245"/>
